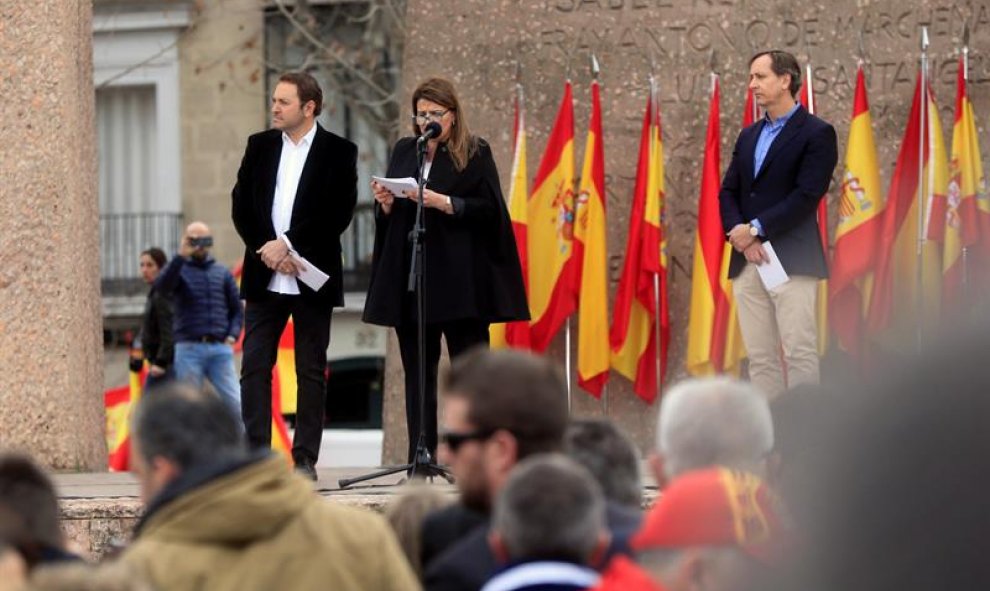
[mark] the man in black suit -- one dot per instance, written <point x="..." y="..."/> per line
<point x="294" y="197"/>
<point x="781" y="167"/>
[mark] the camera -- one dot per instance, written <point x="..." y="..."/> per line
<point x="201" y="242"/>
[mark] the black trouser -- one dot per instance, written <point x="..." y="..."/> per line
<point x="461" y="335"/>
<point x="264" y="322"/>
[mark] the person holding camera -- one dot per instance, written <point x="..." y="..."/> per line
<point x="207" y="315"/>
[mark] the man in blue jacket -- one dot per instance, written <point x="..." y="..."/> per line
<point x="781" y="167"/>
<point x="207" y="315"/>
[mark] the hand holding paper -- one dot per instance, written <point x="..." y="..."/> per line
<point x="397" y="186"/>
<point x="772" y="273"/>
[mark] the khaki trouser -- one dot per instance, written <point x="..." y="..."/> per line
<point x="778" y="325"/>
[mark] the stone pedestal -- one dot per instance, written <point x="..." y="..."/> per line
<point x="478" y="43"/>
<point x="50" y="326"/>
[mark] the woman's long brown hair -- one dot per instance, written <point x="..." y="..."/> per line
<point x="461" y="144"/>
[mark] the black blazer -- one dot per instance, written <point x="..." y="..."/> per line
<point x="472" y="267"/>
<point x="321" y="212"/>
<point x="784" y="195"/>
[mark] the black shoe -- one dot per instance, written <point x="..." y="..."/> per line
<point x="306" y="470"/>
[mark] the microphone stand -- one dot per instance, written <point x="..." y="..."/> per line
<point x="422" y="463"/>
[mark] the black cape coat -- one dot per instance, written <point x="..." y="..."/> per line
<point x="471" y="264"/>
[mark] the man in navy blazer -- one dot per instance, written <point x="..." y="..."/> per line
<point x="781" y="167"/>
<point x="295" y="195"/>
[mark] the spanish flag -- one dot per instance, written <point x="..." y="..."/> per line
<point x="710" y="297"/>
<point x="636" y="320"/>
<point x="905" y="301"/>
<point x="809" y="100"/>
<point x="118" y="404"/>
<point x="516" y="334"/>
<point x="955" y="219"/>
<point x="552" y="295"/>
<point x="591" y="258"/>
<point x="858" y="231"/>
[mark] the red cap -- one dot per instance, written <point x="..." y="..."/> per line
<point x="715" y="507"/>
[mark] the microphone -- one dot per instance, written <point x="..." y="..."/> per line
<point x="431" y="131"/>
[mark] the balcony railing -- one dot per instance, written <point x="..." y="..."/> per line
<point x="358" y="242"/>
<point x="123" y="236"/>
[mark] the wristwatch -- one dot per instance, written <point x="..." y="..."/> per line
<point x="753" y="231"/>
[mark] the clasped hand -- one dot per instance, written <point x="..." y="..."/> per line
<point x="275" y="255"/>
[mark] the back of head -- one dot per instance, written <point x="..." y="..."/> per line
<point x="550" y="509"/>
<point x="714" y="422"/>
<point x="512" y="391"/>
<point x="186" y="426"/>
<point x="29" y="514"/>
<point x="900" y="500"/>
<point x="406" y="516"/>
<point x="609" y="455"/>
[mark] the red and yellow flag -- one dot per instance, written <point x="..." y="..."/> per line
<point x="809" y="100"/>
<point x="552" y="297"/>
<point x="708" y="321"/>
<point x="591" y="258"/>
<point x="956" y="218"/>
<point x="118" y="403"/>
<point x="857" y="233"/>
<point x="907" y="285"/>
<point x="643" y="284"/>
<point x="516" y="334"/>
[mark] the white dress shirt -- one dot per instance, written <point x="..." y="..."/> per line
<point x="290" y="166"/>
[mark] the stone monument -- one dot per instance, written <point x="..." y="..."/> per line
<point x="478" y="43"/>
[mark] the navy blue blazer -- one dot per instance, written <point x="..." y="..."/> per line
<point x="784" y="195"/>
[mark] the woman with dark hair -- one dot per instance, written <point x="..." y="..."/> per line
<point x="472" y="275"/>
<point x="156" y="322"/>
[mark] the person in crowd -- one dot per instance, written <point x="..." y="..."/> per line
<point x="896" y="499"/>
<point x="613" y="460"/>
<point x="220" y="516"/>
<point x="155" y="337"/>
<point x="716" y="421"/>
<point x="548" y="526"/>
<point x="781" y="168"/>
<point x="294" y="197"/>
<point x="29" y="513"/>
<point x="713" y="529"/>
<point x="500" y="407"/>
<point x="208" y="315"/>
<point x="472" y="276"/>
<point x="406" y="515"/>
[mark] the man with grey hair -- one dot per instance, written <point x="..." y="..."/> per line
<point x="712" y="422"/>
<point x="219" y="516"/>
<point x="548" y="524"/>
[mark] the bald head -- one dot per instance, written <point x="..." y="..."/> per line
<point x="197" y="230"/>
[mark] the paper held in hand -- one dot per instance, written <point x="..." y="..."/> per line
<point x="397" y="186"/>
<point x="310" y="274"/>
<point x="772" y="274"/>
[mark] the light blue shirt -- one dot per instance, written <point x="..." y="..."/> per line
<point x="771" y="129"/>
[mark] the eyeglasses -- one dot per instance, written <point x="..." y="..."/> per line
<point x="422" y="118"/>
<point x="455" y="440"/>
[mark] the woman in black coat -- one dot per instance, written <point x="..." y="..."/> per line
<point x="472" y="274"/>
<point x="156" y="322"/>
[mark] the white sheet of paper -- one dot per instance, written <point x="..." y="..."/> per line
<point x="772" y="274"/>
<point x="311" y="275"/>
<point x="397" y="186"/>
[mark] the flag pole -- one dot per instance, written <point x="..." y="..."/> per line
<point x="922" y="204"/>
<point x="595" y="71"/>
<point x="654" y="105"/>
<point x="965" y="248"/>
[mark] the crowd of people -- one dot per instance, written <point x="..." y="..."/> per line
<point x="862" y="487"/>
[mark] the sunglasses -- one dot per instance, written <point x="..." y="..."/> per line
<point x="455" y="440"/>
